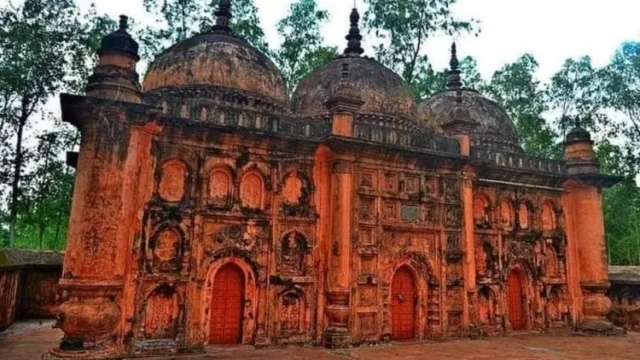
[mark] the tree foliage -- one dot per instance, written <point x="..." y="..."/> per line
<point x="302" y="49"/>
<point x="404" y="26"/>
<point x="516" y="88"/>
<point x="177" y="20"/>
<point x="46" y="49"/>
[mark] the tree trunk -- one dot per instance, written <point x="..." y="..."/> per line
<point x="15" y="184"/>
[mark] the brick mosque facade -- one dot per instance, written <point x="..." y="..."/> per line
<point x="212" y="207"/>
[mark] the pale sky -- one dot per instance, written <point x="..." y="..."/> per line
<point x="551" y="30"/>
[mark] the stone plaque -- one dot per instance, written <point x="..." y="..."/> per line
<point x="410" y="213"/>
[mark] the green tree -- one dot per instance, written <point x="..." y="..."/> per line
<point x="515" y="87"/>
<point x="622" y="84"/>
<point x="621" y="207"/>
<point x="45" y="45"/>
<point x="302" y="48"/>
<point x="471" y="77"/>
<point x="44" y="210"/>
<point x="176" y="20"/>
<point x="575" y="93"/>
<point x="404" y="26"/>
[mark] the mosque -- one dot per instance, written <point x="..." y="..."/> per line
<point x="212" y="207"/>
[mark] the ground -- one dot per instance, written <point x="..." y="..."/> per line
<point x="28" y="340"/>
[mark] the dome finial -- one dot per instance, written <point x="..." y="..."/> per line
<point x="354" y="47"/>
<point x="124" y="22"/>
<point x="223" y="17"/>
<point x="454" y="81"/>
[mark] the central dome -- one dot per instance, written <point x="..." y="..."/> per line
<point x="381" y="91"/>
<point x="219" y="61"/>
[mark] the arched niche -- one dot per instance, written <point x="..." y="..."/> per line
<point x="173" y="181"/>
<point x="293" y="188"/>
<point x="551" y="261"/>
<point x="252" y="190"/>
<point x="481" y="209"/>
<point x="293" y="316"/>
<point x="506" y="214"/>
<point x="555" y="304"/>
<point x="220" y="187"/>
<point x="166" y="250"/>
<point x="487" y="306"/>
<point x="293" y="251"/>
<point x="524" y="215"/>
<point x="548" y="217"/>
<point x="161" y="312"/>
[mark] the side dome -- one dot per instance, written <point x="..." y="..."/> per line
<point x="459" y="109"/>
<point x="220" y="66"/>
<point x="381" y="91"/>
<point x="492" y="126"/>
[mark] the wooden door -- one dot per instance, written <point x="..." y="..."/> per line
<point x="516" y="301"/>
<point x="227" y="302"/>
<point x="403" y="305"/>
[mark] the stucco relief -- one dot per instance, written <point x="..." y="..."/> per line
<point x="161" y="314"/>
<point x="166" y="248"/>
<point x="293" y="252"/>
<point x="172" y="186"/>
<point x="220" y="188"/>
<point x="252" y="191"/>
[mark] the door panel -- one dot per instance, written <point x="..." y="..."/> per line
<point x="227" y="303"/>
<point x="403" y="305"/>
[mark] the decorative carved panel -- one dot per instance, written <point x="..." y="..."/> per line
<point x="161" y="314"/>
<point x="167" y="251"/>
<point x="252" y="191"/>
<point x="292" y="189"/>
<point x="548" y="217"/>
<point x="524" y="216"/>
<point x="220" y="188"/>
<point x="368" y="295"/>
<point x="293" y="250"/>
<point x="173" y="181"/>
<point x="368" y="324"/>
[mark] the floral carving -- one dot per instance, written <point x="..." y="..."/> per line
<point x="167" y="248"/>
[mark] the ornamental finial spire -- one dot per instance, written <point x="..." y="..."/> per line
<point x="454" y="81"/>
<point x="124" y="22"/>
<point x="354" y="46"/>
<point x="223" y="17"/>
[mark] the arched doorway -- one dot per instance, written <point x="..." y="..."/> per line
<point x="516" y="300"/>
<point x="227" y="301"/>
<point x="403" y="296"/>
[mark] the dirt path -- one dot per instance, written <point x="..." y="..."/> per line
<point x="29" y="340"/>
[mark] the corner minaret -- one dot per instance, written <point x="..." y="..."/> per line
<point x="354" y="46"/>
<point x="223" y="18"/>
<point x="115" y="77"/>
<point x="454" y="81"/>
<point x="582" y="203"/>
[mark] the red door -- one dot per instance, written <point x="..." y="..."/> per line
<point x="402" y="305"/>
<point x="227" y="302"/>
<point x="515" y="301"/>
